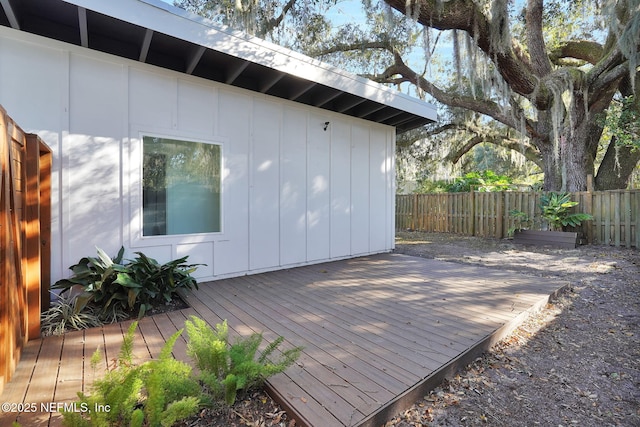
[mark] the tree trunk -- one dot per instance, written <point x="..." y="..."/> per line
<point x="576" y="164"/>
<point x="567" y="162"/>
<point x="552" y="175"/>
<point x="578" y="160"/>
<point x="616" y="167"/>
<point x="619" y="162"/>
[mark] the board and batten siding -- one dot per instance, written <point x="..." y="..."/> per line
<point x="293" y="193"/>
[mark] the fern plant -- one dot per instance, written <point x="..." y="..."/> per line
<point x="156" y="393"/>
<point x="227" y="369"/>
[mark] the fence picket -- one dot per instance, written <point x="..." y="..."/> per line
<point x="616" y="214"/>
<point x="636" y="217"/>
<point x="627" y="218"/>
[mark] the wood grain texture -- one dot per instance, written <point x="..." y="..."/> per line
<point x="378" y="332"/>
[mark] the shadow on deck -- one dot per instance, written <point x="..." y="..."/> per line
<point x="379" y="332"/>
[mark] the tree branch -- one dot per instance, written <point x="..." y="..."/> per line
<point x="486" y="107"/>
<point x="455" y="155"/>
<point x="612" y="58"/>
<point x="357" y="45"/>
<point x="602" y="90"/>
<point x="582" y="50"/>
<point x="272" y="23"/>
<point x="467" y="16"/>
<point x="526" y="150"/>
<point x="406" y="139"/>
<point x="535" y="39"/>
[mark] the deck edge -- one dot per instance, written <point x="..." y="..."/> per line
<point x="413" y="394"/>
<point x="282" y="401"/>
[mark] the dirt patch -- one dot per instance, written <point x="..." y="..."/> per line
<point x="255" y="409"/>
<point x="575" y="363"/>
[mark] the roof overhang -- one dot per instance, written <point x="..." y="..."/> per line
<point x="157" y="33"/>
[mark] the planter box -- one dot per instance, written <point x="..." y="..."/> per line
<point x="561" y="239"/>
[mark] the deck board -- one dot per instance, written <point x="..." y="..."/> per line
<point x="43" y="383"/>
<point x="357" y="372"/>
<point x="167" y="328"/>
<point x="318" y="363"/>
<point x="330" y="338"/>
<point x="16" y="389"/>
<point x="377" y="332"/>
<point x="91" y="342"/>
<point x="70" y="375"/>
<point x="112" y="342"/>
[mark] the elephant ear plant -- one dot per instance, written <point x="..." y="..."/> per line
<point x="555" y="212"/>
<point x="121" y="287"/>
<point x="556" y="208"/>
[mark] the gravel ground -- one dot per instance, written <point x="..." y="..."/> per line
<point x="577" y="362"/>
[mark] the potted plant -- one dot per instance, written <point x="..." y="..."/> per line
<point x="555" y="218"/>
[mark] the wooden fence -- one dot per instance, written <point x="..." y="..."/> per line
<point x="25" y="229"/>
<point x="616" y="214"/>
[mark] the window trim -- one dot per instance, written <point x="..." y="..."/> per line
<point x="136" y="158"/>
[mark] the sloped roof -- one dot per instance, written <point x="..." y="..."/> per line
<point x="157" y="33"/>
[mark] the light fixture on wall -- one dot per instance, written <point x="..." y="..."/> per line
<point x="326" y="125"/>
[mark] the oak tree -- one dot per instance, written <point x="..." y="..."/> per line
<point x="552" y="94"/>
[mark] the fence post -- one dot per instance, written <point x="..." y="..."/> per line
<point x="589" y="208"/>
<point x="500" y="215"/>
<point x="32" y="250"/>
<point x="46" y="158"/>
<point x="626" y="200"/>
<point x="414" y="212"/>
<point x="472" y="212"/>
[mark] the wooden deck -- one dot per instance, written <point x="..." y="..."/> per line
<point x="378" y="332"/>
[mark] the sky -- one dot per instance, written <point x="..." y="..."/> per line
<point x="351" y="11"/>
<point x="343" y="12"/>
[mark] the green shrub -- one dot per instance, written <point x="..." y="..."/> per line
<point x="63" y="315"/>
<point x="227" y="369"/>
<point x="426" y="186"/>
<point x="156" y="393"/>
<point x="484" y="181"/>
<point x="120" y="287"/>
<point x="555" y="210"/>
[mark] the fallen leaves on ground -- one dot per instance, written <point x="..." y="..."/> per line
<point x="577" y="362"/>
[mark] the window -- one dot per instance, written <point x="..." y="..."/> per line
<point x="181" y="187"/>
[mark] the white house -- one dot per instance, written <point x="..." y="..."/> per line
<point x="174" y="137"/>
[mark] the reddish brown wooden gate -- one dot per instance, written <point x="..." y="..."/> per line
<point x="25" y="230"/>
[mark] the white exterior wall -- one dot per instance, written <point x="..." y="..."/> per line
<point x="293" y="193"/>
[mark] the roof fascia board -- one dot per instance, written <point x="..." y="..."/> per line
<point x="161" y="17"/>
<point x="42" y="41"/>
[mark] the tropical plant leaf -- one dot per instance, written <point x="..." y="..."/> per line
<point x="117" y="286"/>
<point x="105" y="259"/>
<point x="126" y="280"/>
<point x="555" y="209"/>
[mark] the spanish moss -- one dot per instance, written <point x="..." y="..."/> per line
<point x="500" y="34"/>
